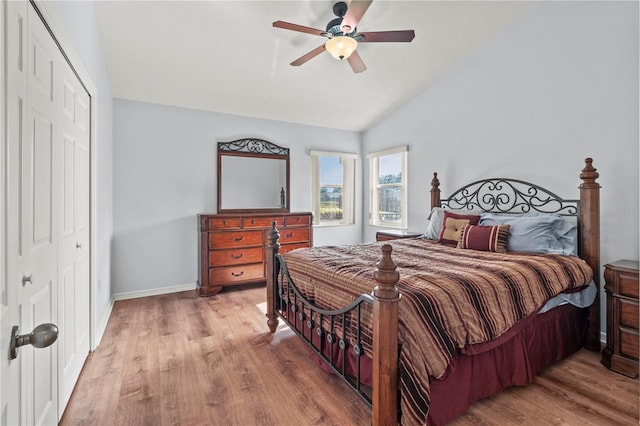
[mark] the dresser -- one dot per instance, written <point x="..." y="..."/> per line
<point x="231" y="248"/>
<point x="621" y="285"/>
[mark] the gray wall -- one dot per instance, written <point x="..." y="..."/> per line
<point x="557" y="86"/>
<point x="165" y="174"/>
<point x="81" y="27"/>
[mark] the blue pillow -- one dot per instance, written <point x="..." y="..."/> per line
<point x="530" y="233"/>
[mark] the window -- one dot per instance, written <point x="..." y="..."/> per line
<point x="333" y="188"/>
<point x="388" y="170"/>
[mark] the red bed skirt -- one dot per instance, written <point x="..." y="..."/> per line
<point x="484" y="370"/>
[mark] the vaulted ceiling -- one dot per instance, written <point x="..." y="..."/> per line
<point x="226" y="57"/>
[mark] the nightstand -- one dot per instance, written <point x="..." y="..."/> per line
<point x="395" y="234"/>
<point x="621" y="285"/>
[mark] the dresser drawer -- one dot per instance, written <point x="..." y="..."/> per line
<point x="294" y="235"/>
<point x="262" y="222"/>
<point x="628" y="314"/>
<point x="235" y="256"/>
<point x="297" y="220"/>
<point x="222" y="223"/>
<point x="285" y="248"/>
<point x="629" y="344"/>
<point x="221" y="240"/>
<point x="233" y="274"/>
<point x="628" y="285"/>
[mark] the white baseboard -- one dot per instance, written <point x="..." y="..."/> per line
<point x="102" y="326"/>
<point x="153" y="291"/>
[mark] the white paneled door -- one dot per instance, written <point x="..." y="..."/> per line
<point x="46" y="199"/>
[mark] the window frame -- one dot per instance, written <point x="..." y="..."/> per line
<point x="375" y="185"/>
<point x="348" y="188"/>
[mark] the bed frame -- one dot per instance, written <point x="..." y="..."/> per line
<point x="493" y="195"/>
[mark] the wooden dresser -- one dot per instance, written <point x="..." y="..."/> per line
<point x="231" y="249"/>
<point x="621" y="352"/>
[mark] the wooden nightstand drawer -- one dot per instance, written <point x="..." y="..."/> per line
<point x="628" y="285"/>
<point x="628" y="314"/>
<point x="621" y="352"/>
<point x="395" y="234"/>
<point x="629" y="344"/>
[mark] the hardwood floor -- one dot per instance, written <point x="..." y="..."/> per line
<point x="179" y="359"/>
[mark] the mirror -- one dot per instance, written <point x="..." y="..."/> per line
<point x="253" y="175"/>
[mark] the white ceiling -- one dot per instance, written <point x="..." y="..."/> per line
<point x="225" y="56"/>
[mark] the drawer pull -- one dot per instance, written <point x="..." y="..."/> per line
<point x="253" y="222"/>
<point x="236" y="239"/>
<point x="224" y="222"/>
<point x="289" y="235"/>
<point x="237" y="256"/>
<point x="237" y="275"/>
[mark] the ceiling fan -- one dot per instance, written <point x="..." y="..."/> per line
<point x="343" y="35"/>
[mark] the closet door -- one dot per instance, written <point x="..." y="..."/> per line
<point x="73" y="276"/>
<point x="47" y="220"/>
<point x="39" y="190"/>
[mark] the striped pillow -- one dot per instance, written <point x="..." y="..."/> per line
<point x="484" y="238"/>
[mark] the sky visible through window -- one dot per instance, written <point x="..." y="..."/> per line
<point x="330" y="171"/>
<point x="389" y="165"/>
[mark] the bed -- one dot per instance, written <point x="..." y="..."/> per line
<point x="425" y="333"/>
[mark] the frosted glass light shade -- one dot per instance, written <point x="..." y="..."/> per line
<point x="341" y="47"/>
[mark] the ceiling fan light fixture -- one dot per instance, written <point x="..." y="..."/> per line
<point x="341" y="47"/>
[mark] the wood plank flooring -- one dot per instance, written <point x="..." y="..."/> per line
<point x="179" y="359"/>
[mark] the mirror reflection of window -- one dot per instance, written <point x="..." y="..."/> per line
<point x="333" y="188"/>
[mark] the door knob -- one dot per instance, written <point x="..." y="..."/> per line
<point x="78" y="245"/>
<point x="42" y="336"/>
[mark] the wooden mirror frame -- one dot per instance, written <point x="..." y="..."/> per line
<point x="253" y="148"/>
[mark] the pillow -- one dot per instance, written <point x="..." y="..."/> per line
<point x="452" y="225"/>
<point x="434" y="222"/>
<point x="484" y="238"/>
<point x="528" y="234"/>
<point x="565" y="230"/>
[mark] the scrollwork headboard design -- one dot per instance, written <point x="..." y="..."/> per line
<point x="502" y="195"/>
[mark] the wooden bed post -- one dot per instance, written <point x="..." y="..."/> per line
<point x="272" y="249"/>
<point x="435" y="191"/>
<point x="385" y="341"/>
<point x="589" y="240"/>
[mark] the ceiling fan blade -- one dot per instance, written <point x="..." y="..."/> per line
<point x="357" y="65"/>
<point x="299" y="28"/>
<point x="355" y="10"/>
<point x="382" y="36"/>
<point x="304" y="58"/>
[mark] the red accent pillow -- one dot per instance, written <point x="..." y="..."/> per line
<point x="452" y="225"/>
<point x="484" y="238"/>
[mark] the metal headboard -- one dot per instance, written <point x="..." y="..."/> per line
<point x="502" y="195"/>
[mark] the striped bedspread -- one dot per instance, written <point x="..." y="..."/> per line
<point x="451" y="298"/>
